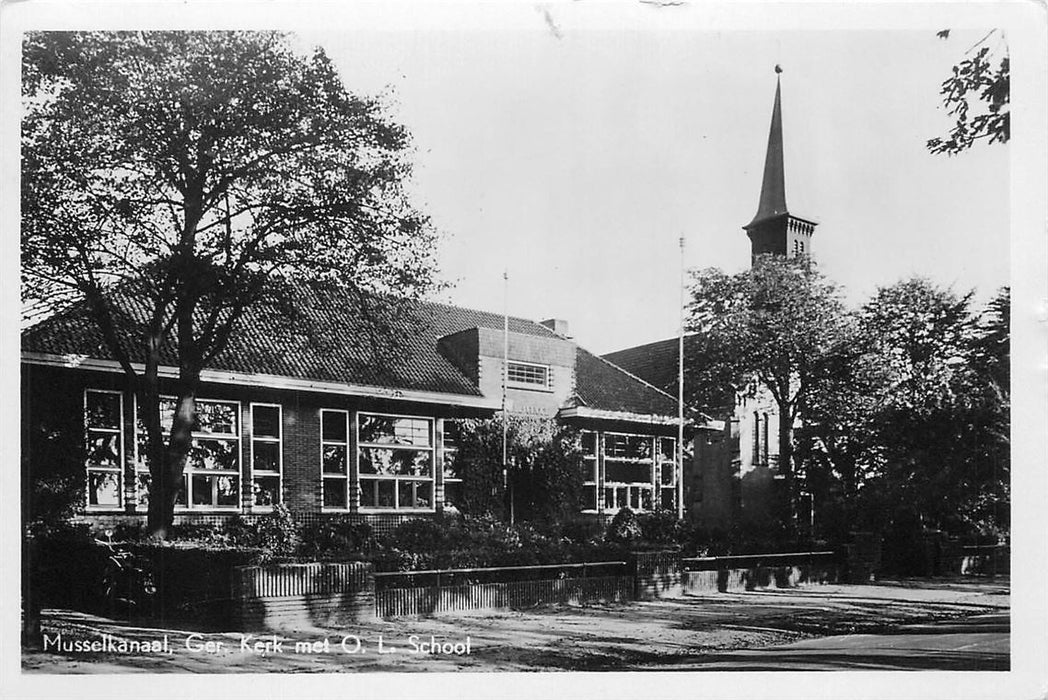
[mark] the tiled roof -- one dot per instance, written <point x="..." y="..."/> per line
<point x="335" y="349"/>
<point x="603" y="385"/>
<point x="655" y="363"/>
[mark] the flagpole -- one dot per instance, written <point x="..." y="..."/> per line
<point x="505" y="381"/>
<point x="680" y="392"/>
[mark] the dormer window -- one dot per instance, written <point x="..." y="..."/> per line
<point x="527" y="375"/>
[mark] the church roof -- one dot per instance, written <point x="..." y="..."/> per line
<point x="773" y="186"/>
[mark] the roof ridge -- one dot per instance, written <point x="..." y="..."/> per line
<point x="482" y="311"/>
<point x="672" y="339"/>
<point x="627" y="373"/>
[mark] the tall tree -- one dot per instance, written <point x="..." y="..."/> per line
<point x="172" y="181"/>
<point x="780" y="324"/>
<point x="836" y="443"/>
<point x="985" y="507"/>
<point x="981" y="80"/>
<point x="926" y="423"/>
<point x="914" y="423"/>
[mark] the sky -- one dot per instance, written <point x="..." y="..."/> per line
<point x="574" y="156"/>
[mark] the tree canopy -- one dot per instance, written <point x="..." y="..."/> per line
<point x="780" y="325"/>
<point x="915" y="425"/>
<point x="204" y="173"/>
<point x="901" y="407"/>
<point x="942" y="423"/>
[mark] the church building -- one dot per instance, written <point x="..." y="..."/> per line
<point x="735" y="470"/>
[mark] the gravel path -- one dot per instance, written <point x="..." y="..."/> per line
<point x="660" y="635"/>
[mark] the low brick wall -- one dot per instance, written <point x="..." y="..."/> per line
<point x="426" y="600"/>
<point x="657" y="574"/>
<point x="747" y="573"/>
<point x="290" y="595"/>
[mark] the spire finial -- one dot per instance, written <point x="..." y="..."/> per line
<point x="778" y="68"/>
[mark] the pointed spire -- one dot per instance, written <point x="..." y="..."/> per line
<point x="773" y="187"/>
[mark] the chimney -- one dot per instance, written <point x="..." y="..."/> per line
<point x="558" y="326"/>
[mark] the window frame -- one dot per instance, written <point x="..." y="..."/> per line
<point x="444" y="452"/>
<point x="651" y="485"/>
<point x="397" y="478"/>
<point x="266" y="473"/>
<point x="121" y="450"/>
<point x="674" y="460"/>
<point x="188" y="472"/>
<point x="326" y="476"/>
<point x="595" y="482"/>
<point x="765" y="461"/>
<point x="547" y="370"/>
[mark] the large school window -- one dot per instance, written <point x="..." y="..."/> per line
<point x="211" y="479"/>
<point x="629" y="473"/>
<point x="334" y="458"/>
<point x="452" y="475"/>
<point x="266" y="455"/>
<point x="589" y="470"/>
<point x="104" y="435"/>
<point x="395" y="462"/>
<point x="636" y="471"/>
<point x="667" y="473"/>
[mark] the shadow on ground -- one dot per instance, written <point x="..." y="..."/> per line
<point x="900" y="627"/>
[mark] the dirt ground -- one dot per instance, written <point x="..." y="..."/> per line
<point x="669" y="633"/>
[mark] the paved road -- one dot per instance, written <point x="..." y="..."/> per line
<point x="978" y="643"/>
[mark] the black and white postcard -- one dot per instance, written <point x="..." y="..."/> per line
<point x="566" y="347"/>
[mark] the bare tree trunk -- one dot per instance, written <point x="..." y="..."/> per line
<point x="149" y="398"/>
<point x="167" y="463"/>
<point x="788" y="500"/>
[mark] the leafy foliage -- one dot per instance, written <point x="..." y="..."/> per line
<point x="202" y="174"/>
<point x="469" y="542"/>
<point x="339" y="537"/>
<point x="902" y="406"/>
<point x="779" y="325"/>
<point x="544" y="472"/>
<point x="278" y="533"/>
<point x="624" y="528"/>
<point x="52" y="468"/>
<point x="981" y="79"/>
<point x="662" y="527"/>
<point x="914" y="432"/>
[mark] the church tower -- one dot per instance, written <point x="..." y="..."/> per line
<point x="774" y="229"/>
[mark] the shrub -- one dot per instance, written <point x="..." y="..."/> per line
<point x="196" y="532"/>
<point x="192" y="578"/>
<point x="580" y="529"/>
<point x="623" y="528"/>
<point x="544" y="470"/>
<point x="56" y="497"/>
<point x="422" y="535"/>
<point x="64" y="566"/>
<point x="339" y="537"/>
<point x="278" y="533"/>
<point x="238" y="532"/>
<point x="662" y="528"/>
<point x="54" y="466"/>
<point x="129" y="531"/>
